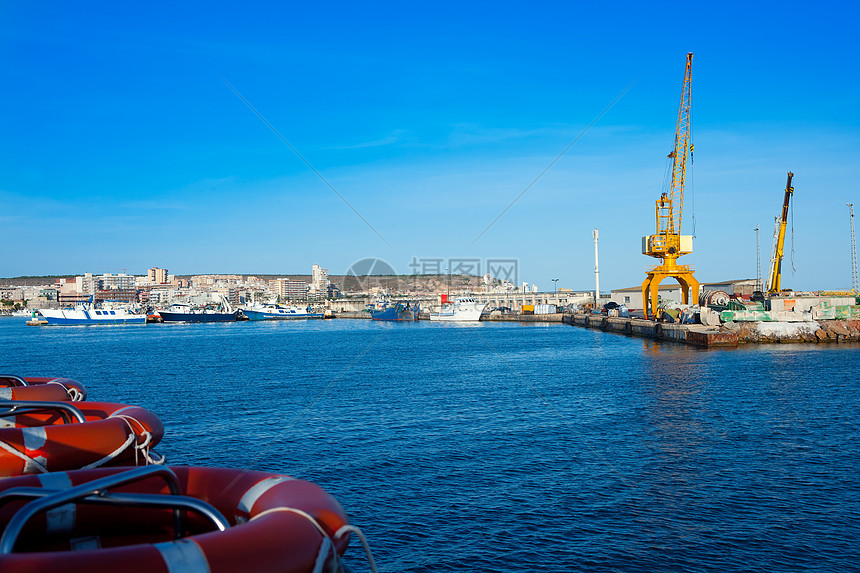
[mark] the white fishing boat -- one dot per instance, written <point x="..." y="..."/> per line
<point x="84" y="314"/>
<point x="272" y="311"/>
<point x="463" y="309"/>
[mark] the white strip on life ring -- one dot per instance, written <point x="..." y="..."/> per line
<point x="254" y="492"/>
<point x="59" y="519"/>
<point x="34" y="437"/>
<point x="183" y="556"/>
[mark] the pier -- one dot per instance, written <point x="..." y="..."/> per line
<point x="727" y="335"/>
<point x="692" y="334"/>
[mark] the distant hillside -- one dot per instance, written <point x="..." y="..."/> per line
<point x="415" y="284"/>
<point x="32" y="280"/>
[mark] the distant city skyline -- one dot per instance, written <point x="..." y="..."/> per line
<point x="414" y="132"/>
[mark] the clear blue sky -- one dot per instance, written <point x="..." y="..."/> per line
<point x="123" y="147"/>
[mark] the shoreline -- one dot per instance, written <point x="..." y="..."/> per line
<point x="727" y="335"/>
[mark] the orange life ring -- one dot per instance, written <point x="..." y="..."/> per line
<point x="41" y="388"/>
<point x="44" y="437"/>
<point x="275" y="523"/>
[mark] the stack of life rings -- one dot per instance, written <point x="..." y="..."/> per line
<point x="81" y="489"/>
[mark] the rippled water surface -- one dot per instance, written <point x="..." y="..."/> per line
<point x="506" y="447"/>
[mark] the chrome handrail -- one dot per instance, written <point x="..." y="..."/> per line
<point x="93" y="488"/>
<point x="17" y="407"/>
<point x="19" y="379"/>
<point x="151" y="500"/>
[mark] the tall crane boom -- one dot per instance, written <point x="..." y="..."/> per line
<point x="675" y="206"/>
<point x="667" y="243"/>
<point x="854" y="281"/>
<point x="775" y="275"/>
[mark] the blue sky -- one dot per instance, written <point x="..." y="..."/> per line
<point x="123" y="147"/>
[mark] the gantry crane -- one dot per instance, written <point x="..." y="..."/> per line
<point x="667" y="243"/>
<point x="775" y="275"/>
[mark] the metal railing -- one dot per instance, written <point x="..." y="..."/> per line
<point x="18" y="407"/>
<point x="96" y="492"/>
<point x="17" y="380"/>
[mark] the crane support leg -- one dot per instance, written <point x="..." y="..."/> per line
<point x="651" y="287"/>
<point x="650" y="294"/>
<point x="690" y="285"/>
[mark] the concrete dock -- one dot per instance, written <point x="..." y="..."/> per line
<point x="692" y="334"/>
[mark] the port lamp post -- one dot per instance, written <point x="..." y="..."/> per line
<point x="556" y="286"/>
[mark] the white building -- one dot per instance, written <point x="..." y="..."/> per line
<point x="319" y="281"/>
<point x="85" y="284"/>
<point x="631" y="297"/>
<point x="289" y="289"/>
<point x="119" y="281"/>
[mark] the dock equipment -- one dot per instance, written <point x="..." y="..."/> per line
<point x="775" y="274"/>
<point x="667" y="243"/>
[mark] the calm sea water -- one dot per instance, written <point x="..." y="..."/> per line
<point x="506" y="447"/>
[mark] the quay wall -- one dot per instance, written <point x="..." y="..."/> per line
<point x="728" y="334"/>
<point x="554" y="317"/>
<point x="350" y="314"/>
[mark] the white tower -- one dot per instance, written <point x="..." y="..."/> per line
<point x="854" y="285"/>
<point x="758" y="285"/>
<point x="596" y="272"/>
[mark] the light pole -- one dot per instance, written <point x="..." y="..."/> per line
<point x="596" y="272"/>
<point x="556" y="287"/>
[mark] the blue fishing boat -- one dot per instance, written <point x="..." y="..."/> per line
<point x="403" y="311"/>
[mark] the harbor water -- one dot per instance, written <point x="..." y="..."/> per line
<point x="505" y="447"/>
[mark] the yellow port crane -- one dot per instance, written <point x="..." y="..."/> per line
<point x="667" y="243"/>
<point x="775" y="275"/>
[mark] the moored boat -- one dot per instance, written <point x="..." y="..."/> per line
<point x="182" y="312"/>
<point x="86" y="314"/>
<point x="271" y="311"/>
<point x="401" y="311"/>
<point x="463" y="309"/>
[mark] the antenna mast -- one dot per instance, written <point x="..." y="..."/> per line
<point x="758" y="285"/>
<point x="854" y="285"/>
<point x="597" y="272"/>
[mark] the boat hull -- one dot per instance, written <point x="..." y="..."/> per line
<point x="462" y="311"/>
<point x="264" y="315"/>
<point x="168" y="316"/>
<point x="68" y="317"/>
<point x="395" y="315"/>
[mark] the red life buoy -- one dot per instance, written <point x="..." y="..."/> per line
<point x="41" y="388"/>
<point x="50" y="439"/>
<point x="274" y="523"/>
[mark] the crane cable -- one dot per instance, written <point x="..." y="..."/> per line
<point x="793" y="270"/>
<point x="692" y="184"/>
<point x="692" y="179"/>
